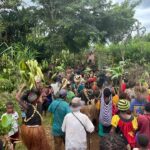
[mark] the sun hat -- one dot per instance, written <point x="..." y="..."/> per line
<point x="77" y="78"/>
<point x="77" y="102"/>
<point x="123" y="105"/>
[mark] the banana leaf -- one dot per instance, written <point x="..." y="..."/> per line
<point x="6" y="121"/>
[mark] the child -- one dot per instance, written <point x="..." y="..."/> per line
<point x="125" y="124"/>
<point x="106" y="112"/>
<point x="144" y="122"/>
<point x="13" y="134"/>
<point x="142" y="141"/>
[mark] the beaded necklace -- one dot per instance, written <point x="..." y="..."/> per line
<point x="35" y="111"/>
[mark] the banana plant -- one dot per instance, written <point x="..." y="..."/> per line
<point x="144" y="79"/>
<point x="117" y="71"/>
<point x="30" y="72"/>
<point x="44" y="65"/>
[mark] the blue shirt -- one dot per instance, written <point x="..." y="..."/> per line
<point x="137" y="106"/>
<point x="59" y="108"/>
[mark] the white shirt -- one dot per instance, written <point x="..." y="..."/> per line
<point x="14" y="123"/>
<point x="56" y="87"/>
<point x="75" y="132"/>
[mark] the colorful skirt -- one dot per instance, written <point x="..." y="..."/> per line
<point x="34" y="138"/>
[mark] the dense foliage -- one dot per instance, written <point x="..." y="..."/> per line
<point x="52" y="25"/>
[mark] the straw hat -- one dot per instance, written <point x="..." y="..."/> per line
<point x="76" y="102"/>
<point x="77" y="78"/>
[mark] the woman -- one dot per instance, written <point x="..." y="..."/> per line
<point x="106" y="112"/>
<point x="32" y="132"/>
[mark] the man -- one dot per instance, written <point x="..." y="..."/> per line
<point x="59" y="108"/>
<point x="75" y="126"/>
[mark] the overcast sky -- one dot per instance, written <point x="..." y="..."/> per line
<point x="142" y="12"/>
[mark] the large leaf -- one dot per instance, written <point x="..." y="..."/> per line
<point x="6" y="121"/>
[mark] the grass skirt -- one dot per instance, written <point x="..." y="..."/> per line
<point x="34" y="138"/>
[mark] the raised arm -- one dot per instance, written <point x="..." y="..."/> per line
<point x="19" y="93"/>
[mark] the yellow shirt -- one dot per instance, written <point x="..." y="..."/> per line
<point x="115" y="99"/>
<point x="116" y="118"/>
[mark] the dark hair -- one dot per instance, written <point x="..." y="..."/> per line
<point x="123" y="95"/>
<point x="112" y="142"/>
<point x="107" y="92"/>
<point x="25" y="95"/>
<point x="87" y="85"/>
<point x="142" y="140"/>
<point x="9" y="104"/>
<point x="54" y="79"/>
<point x="125" y="80"/>
<point x="147" y="107"/>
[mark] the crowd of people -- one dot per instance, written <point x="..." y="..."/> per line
<point x="82" y="101"/>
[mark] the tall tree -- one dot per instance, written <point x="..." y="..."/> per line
<point x="73" y="23"/>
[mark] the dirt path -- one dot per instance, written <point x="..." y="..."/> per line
<point x="94" y="139"/>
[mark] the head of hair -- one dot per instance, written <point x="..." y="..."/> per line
<point x="9" y="104"/>
<point x="25" y="95"/>
<point x="125" y="80"/>
<point x="140" y="90"/>
<point x="96" y="93"/>
<point x="142" y="140"/>
<point x="62" y="96"/>
<point x="107" y="92"/>
<point x="147" y="107"/>
<point x="87" y="85"/>
<point x="130" y="84"/>
<point x="123" y="95"/>
<point x="54" y="79"/>
<point x="112" y="142"/>
<point x="36" y="91"/>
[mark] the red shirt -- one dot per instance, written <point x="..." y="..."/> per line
<point x="127" y="130"/>
<point x="148" y="98"/>
<point x="144" y="125"/>
<point x="123" y="87"/>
